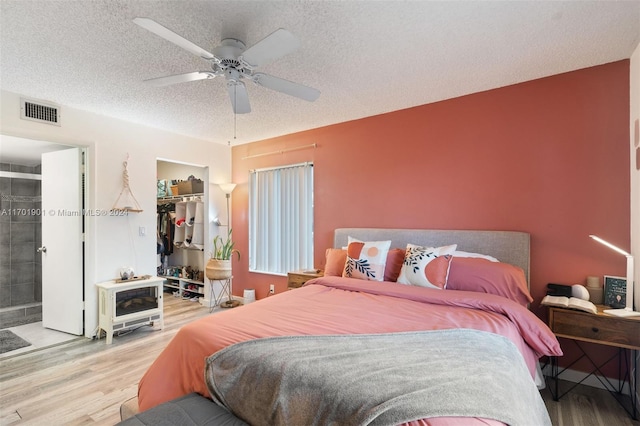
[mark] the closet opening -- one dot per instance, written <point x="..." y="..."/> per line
<point x="182" y="229"/>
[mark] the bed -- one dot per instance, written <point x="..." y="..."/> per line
<point x="363" y="351"/>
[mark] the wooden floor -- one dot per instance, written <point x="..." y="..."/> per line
<point x="586" y="406"/>
<point x="85" y="381"/>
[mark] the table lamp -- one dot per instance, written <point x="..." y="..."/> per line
<point x="627" y="311"/>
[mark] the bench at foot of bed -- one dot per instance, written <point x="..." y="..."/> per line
<point x="191" y="409"/>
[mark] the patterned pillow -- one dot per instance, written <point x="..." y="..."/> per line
<point x="366" y="260"/>
<point x="426" y="266"/>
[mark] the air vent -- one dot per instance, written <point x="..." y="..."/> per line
<point x="39" y="111"/>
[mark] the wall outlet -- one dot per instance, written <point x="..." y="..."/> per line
<point x="272" y="289"/>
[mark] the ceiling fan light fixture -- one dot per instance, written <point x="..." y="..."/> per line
<point x="236" y="62"/>
<point x="229" y="51"/>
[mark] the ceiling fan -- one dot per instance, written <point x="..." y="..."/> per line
<point x="236" y="62"/>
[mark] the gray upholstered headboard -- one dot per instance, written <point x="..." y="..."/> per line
<point x="507" y="246"/>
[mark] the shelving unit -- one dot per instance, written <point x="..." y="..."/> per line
<point x="181" y="284"/>
<point x="189" y="230"/>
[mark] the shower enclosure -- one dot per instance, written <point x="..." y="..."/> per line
<point x="20" y="237"/>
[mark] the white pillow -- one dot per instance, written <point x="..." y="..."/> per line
<point x="426" y="266"/>
<point x="366" y="260"/>
<point x="458" y="253"/>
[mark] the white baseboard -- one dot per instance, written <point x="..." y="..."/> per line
<point x="576" y="376"/>
<point x="205" y="302"/>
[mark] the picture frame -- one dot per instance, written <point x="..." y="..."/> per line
<point x="615" y="291"/>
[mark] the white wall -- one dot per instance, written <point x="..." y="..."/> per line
<point x="635" y="173"/>
<point x="113" y="242"/>
<point x="172" y="171"/>
<point x="635" y="182"/>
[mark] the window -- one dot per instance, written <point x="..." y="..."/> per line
<point x="281" y="219"/>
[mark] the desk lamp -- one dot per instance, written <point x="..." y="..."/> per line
<point x="627" y="311"/>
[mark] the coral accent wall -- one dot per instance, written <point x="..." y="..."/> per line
<point x="549" y="157"/>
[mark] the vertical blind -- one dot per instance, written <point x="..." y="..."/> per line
<point x="281" y="219"/>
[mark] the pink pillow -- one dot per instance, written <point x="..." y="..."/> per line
<point x="395" y="258"/>
<point x="484" y="276"/>
<point x="335" y="260"/>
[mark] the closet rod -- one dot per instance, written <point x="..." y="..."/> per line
<point x="179" y="198"/>
<point x="282" y="151"/>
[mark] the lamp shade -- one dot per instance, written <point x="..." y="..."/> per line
<point x="628" y="310"/>
<point x="611" y="246"/>
<point x="227" y="188"/>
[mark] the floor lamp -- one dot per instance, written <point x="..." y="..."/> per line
<point x="627" y="311"/>
<point x="228" y="188"/>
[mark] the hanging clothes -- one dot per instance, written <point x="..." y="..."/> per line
<point x="166" y="226"/>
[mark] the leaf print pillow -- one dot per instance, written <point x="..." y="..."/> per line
<point x="426" y="266"/>
<point x="366" y="260"/>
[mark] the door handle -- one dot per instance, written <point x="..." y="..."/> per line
<point x="42" y="249"/>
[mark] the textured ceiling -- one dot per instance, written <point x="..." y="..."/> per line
<point x="366" y="57"/>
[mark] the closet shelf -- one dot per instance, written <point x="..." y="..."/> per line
<point x="182" y="245"/>
<point x="178" y="198"/>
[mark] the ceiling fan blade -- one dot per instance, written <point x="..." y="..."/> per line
<point x="275" y="45"/>
<point x="167" y="34"/>
<point x="287" y="87"/>
<point x="239" y="97"/>
<point x="179" y="78"/>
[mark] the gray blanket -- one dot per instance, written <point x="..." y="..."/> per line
<point x="377" y="379"/>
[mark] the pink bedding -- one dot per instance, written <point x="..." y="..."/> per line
<point x="336" y="305"/>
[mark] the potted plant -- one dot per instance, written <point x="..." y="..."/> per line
<point x="219" y="265"/>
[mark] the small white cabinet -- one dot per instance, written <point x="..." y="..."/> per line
<point x="122" y="305"/>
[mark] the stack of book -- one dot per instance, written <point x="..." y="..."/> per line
<point x="562" y="296"/>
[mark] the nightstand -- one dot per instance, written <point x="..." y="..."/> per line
<point x="602" y="329"/>
<point x="296" y="279"/>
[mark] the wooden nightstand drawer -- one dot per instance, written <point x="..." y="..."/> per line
<point x="297" y="278"/>
<point x="600" y="328"/>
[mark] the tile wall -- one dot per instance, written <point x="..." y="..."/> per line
<point x="20" y="236"/>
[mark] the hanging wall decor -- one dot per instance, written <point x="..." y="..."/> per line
<point x="126" y="190"/>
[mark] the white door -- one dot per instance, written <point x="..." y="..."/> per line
<point x="62" y="246"/>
